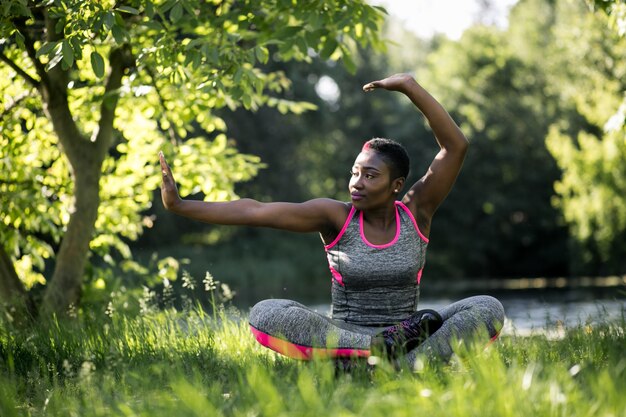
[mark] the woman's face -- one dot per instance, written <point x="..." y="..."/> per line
<point x="370" y="183"/>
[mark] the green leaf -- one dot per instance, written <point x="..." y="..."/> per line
<point x="97" y="25"/>
<point x="301" y="44"/>
<point x="259" y="85"/>
<point x="193" y="57"/>
<point x="288" y="32"/>
<point x="77" y="47"/>
<point x="348" y="62"/>
<point x="19" y="38"/>
<point x="382" y="9"/>
<point x="194" y="43"/>
<point x="329" y="47"/>
<point x="108" y="20"/>
<point x="128" y="9"/>
<point x="262" y="54"/>
<point x="119" y="20"/>
<point x="58" y="27"/>
<point x="211" y="54"/>
<point x="54" y="61"/>
<point x="119" y="34"/>
<point x="149" y="9"/>
<point x="46" y="49"/>
<point x="152" y="24"/>
<point x="97" y="63"/>
<point x="167" y="5"/>
<point x="67" y="53"/>
<point x="238" y="75"/>
<point x="313" y="38"/>
<point x="176" y="13"/>
<point x="247" y="101"/>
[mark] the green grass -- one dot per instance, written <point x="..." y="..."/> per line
<point x="167" y="363"/>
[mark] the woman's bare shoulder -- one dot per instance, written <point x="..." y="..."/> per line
<point x="336" y="211"/>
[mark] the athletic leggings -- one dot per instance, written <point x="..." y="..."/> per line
<point x="296" y="331"/>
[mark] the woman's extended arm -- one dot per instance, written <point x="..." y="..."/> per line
<point x="429" y="192"/>
<point x="319" y="215"/>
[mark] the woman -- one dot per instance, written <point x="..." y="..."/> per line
<point x="376" y="249"/>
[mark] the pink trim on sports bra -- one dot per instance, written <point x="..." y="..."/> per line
<point x="419" y="276"/>
<point x="406" y="209"/>
<point x="336" y="275"/>
<point x="386" y="245"/>
<point x="343" y="229"/>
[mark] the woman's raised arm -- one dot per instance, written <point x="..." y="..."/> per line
<point x="428" y="192"/>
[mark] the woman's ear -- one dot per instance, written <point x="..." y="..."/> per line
<point x="398" y="183"/>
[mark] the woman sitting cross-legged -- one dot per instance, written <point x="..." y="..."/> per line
<point x="376" y="248"/>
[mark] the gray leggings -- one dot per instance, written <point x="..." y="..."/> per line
<point x="295" y="330"/>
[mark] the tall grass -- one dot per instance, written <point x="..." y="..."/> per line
<point x="168" y="363"/>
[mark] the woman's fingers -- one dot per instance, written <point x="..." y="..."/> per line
<point x="165" y="168"/>
<point x="371" y="86"/>
<point x="397" y="82"/>
<point x="168" y="179"/>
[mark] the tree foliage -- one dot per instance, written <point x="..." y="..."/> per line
<point x="93" y="89"/>
<point x="547" y="88"/>
<point x="498" y="220"/>
<point x="591" y="192"/>
<point x="616" y="10"/>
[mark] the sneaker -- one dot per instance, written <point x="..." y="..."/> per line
<point x="406" y="335"/>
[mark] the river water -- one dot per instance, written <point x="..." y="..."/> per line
<point x="548" y="312"/>
<point x="526" y="316"/>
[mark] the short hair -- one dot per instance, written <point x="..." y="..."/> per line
<point x="394" y="155"/>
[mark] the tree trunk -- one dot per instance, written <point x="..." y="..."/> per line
<point x="65" y="287"/>
<point x="86" y="158"/>
<point x="12" y="292"/>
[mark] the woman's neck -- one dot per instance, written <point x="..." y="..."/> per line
<point x="381" y="218"/>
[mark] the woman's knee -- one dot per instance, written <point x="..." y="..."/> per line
<point x="493" y="311"/>
<point x="264" y="312"/>
<point x="485" y="309"/>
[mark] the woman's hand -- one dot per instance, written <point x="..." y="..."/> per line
<point x="169" y="192"/>
<point x="397" y="82"/>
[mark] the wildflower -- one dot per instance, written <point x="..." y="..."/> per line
<point x="188" y="281"/>
<point x="227" y="293"/>
<point x="209" y="282"/>
<point x="574" y="370"/>
<point x="168" y="292"/>
<point x="146" y="300"/>
<point x="110" y="309"/>
<point x="71" y="311"/>
<point x="86" y="369"/>
<point x="67" y="368"/>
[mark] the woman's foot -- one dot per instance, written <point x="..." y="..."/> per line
<point x="406" y="335"/>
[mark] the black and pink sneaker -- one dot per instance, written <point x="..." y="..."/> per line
<point x="406" y="335"/>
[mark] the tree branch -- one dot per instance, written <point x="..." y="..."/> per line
<point x="30" y="80"/>
<point x="53" y="89"/>
<point x="29" y="44"/>
<point x="121" y="59"/>
<point x="16" y="101"/>
<point x="174" y="138"/>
